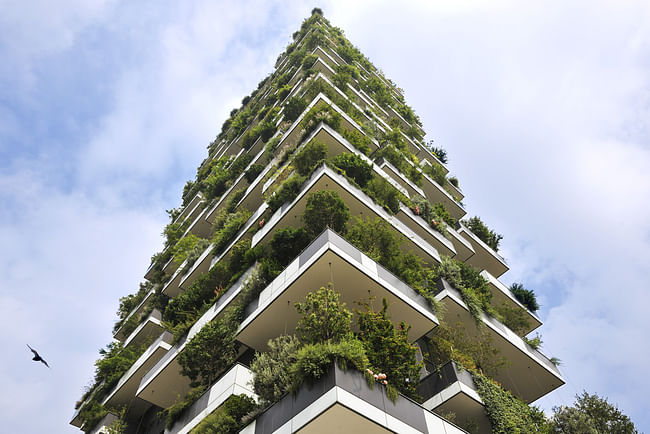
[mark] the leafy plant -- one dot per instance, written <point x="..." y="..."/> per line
<point x="485" y="234"/>
<point x="309" y="157"/>
<point x="287" y="243"/>
<point x="324" y="317"/>
<point x="325" y="209"/>
<point x="535" y="342"/>
<point x="227" y="419"/>
<point x="354" y="167"/>
<point x="271" y="369"/>
<point x="294" y="108"/>
<point x="287" y="192"/>
<point x="388" y="348"/>
<point x="591" y="414"/>
<point x="176" y="410"/>
<point x="525" y="296"/>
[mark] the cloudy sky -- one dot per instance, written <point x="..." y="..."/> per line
<point x="106" y="109"/>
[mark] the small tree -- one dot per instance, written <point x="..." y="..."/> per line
<point x="210" y="351"/>
<point x="354" y="167"/>
<point x="485" y="234"/>
<point x="525" y="296"/>
<point x="324" y="317"/>
<point x="591" y="414"/>
<point x="272" y="377"/>
<point x="312" y="154"/>
<point x="325" y="209"/>
<point x="294" y="107"/>
<point x="388" y="348"/>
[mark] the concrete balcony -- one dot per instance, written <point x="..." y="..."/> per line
<point x="331" y="259"/>
<point x="529" y="374"/>
<point x="435" y="193"/>
<point x="147" y="329"/>
<point x="164" y="383"/>
<point x="501" y="295"/>
<point x="191" y="209"/>
<point x="124" y="391"/>
<point x="452" y="390"/>
<point x="427" y="157"/>
<point x="428" y="234"/>
<point x="343" y="402"/>
<point x="399" y="177"/>
<point x="455" y="191"/>
<point x="324" y="178"/>
<point x="484" y="258"/>
<point x="121" y="334"/>
<point x="237" y="380"/>
<point x="326" y="57"/>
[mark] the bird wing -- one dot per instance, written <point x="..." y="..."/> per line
<point x="33" y="350"/>
<point x="45" y="363"/>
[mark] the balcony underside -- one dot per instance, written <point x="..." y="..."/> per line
<point x="527" y="374"/>
<point x="330" y="259"/>
<point x="484" y="257"/>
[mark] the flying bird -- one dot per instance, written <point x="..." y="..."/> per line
<point x="37" y="357"/>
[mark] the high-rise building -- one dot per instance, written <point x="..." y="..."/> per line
<point x="321" y="179"/>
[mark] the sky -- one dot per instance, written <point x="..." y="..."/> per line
<point x="107" y="107"/>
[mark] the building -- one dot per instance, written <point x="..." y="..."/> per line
<point x="321" y="178"/>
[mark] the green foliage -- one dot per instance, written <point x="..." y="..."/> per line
<point x="384" y="194"/>
<point x="91" y="414"/>
<point x="354" y="167"/>
<point x="287" y="192"/>
<point x="227" y="419"/>
<point x="525" y="296"/>
<point x="325" y="209"/>
<point x="474" y="289"/>
<point x="130" y="302"/>
<point x="359" y="140"/>
<point x="287" y="243"/>
<point x="175" y="411"/>
<point x="324" y="317"/>
<point x="308" y="61"/>
<point x="119" y="425"/>
<point x="183" y="248"/>
<point x="535" y="342"/>
<point x="508" y="414"/>
<point x="440" y="153"/>
<point x="376" y="89"/>
<point x="514" y="318"/>
<point x="435" y="171"/>
<point x="399" y="161"/>
<point x="314" y="360"/>
<point x="320" y="113"/>
<point x="115" y="361"/>
<point x="453" y="181"/>
<point x="488" y="236"/>
<point x="226" y="226"/>
<point x="388" y="348"/>
<point x="283" y="92"/>
<point x="271" y="369"/>
<point x="294" y="108"/>
<point x="591" y="414"/>
<point x="309" y="157"/>
<point x="172" y="233"/>
<point x="209" y="352"/>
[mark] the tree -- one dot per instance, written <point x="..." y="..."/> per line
<point x="312" y="154"/>
<point x="272" y="377"/>
<point x="591" y="414"/>
<point x="485" y="234"/>
<point x="324" y="317"/>
<point x="388" y="349"/>
<point x="325" y="209"/>
<point x="525" y="296"/>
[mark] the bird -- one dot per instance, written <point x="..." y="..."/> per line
<point x="37" y="357"/>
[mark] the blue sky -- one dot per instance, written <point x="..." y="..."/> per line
<point x="106" y="109"/>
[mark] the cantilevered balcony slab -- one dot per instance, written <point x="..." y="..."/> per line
<point x="485" y="258"/>
<point x="332" y="259"/>
<point x="124" y="391"/>
<point x="398" y="176"/>
<point x="342" y="402"/>
<point x="435" y="193"/>
<point x="327" y="58"/>
<point x="190" y="209"/>
<point x="427" y="157"/>
<point x="147" y="329"/>
<point x="324" y="178"/>
<point x="451" y="389"/>
<point x="529" y="374"/>
<point x="455" y="191"/>
<point x="164" y="383"/>
<point x="501" y="294"/>
<point x="237" y="380"/>
<point x="422" y="228"/>
<point x="102" y="425"/>
<point x="200" y="226"/>
<point x="121" y="334"/>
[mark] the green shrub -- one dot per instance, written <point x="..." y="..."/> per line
<point x="436" y="172"/>
<point x="294" y="108"/>
<point x="176" y="410"/>
<point x="287" y="243"/>
<point x="359" y="140"/>
<point x="514" y="318"/>
<point x="485" y="234"/>
<point x="324" y="317"/>
<point x="287" y="192"/>
<point x="271" y="369"/>
<point x="308" y="61"/>
<point x="354" y="167"/>
<point x="384" y="193"/>
<point x="525" y="296"/>
<point x="226" y="226"/>
<point x="253" y="171"/>
<point x="309" y="157"/>
<point x="388" y="348"/>
<point x="325" y="209"/>
<point x="183" y="248"/>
